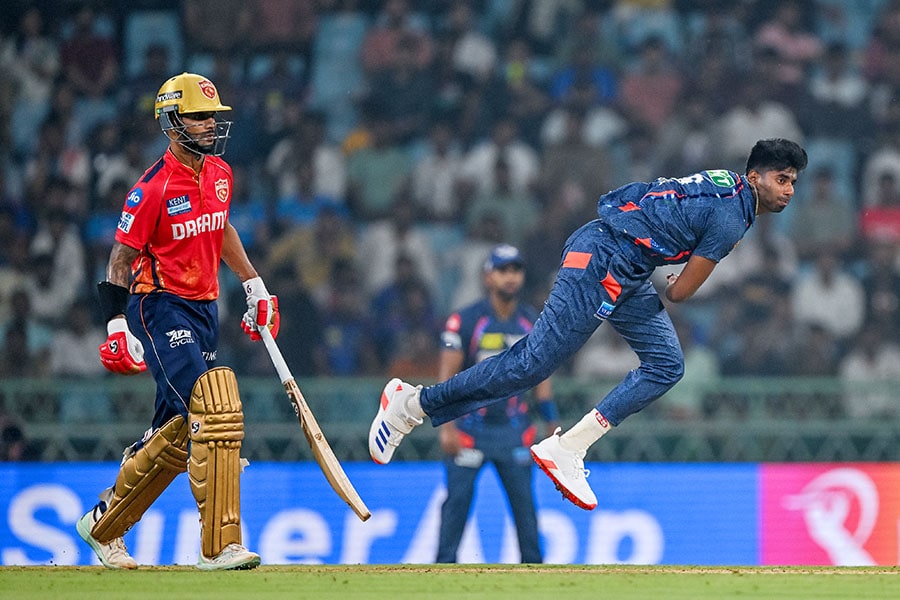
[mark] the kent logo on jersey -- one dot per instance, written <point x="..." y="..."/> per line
<point x="177" y="206"/>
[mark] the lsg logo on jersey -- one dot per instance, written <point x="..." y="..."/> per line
<point x="179" y="337"/>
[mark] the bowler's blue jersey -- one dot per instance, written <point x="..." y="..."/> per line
<point x="672" y="219"/>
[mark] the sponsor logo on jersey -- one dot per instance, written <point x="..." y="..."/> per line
<point x="222" y="189"/>
<point x="134" y="197"/>
<point x="174" y="95"/>
<point x="721" y="177"/>
<point x="208" y="89"/>
<point x="209" y="356"/>
<point x="125" y="222"/>
<point x="179" y="337"/>
<point x="202" y="224"/>
<point x="177" y="206"/>
<point x="604" y="311"/>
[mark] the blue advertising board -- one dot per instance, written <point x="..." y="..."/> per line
<point x="647" y="514"/>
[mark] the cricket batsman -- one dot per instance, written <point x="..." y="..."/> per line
<point x="159" y="302"/>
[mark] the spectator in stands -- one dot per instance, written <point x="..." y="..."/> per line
<point x="435" y="174"/>
<point x="308" y="142"/>
<point x="869" y="371"/>
<point x="382" y="243"/>
<point x="217" y="26"/>
<point x="822" y="219"/>
<point x="404" y="306"/>
<point x="73" y="356"/>
<point x="402" y="92"/>
<point x="651" y="86"/>
<point x="789" y="34"/>
<point x="346" y="346"/>
<point x="90" y="63"/>
<point x="884" y="160"/>
<point x="473" y="54"/>
<point x="687" y="141"/>
<point x="756" y="115"/>
<point x="137" y="95"/>
<point x="575" y="164"/>
<point x="31" y="59"/>
<point x="377" y="173"/>
<point x="395" y="22"/>
<point x="827" y="287"/>
<point x="315" y="252"/>
<point x="880" y="221"/>
<point x="303" y="207"/>
<point x="17" y="359"/>
<point x="480" y="163"/>
<point x="517" y="89"/>
<point x="14" y="446"/>
<point x="519" y="210"/>
<point x="881" y="282"/>
<point x="466" y="259"/>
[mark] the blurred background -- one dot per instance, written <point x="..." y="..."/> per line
<point x="381" y="148"/>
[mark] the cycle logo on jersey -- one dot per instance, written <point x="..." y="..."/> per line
<point x="222" y="190"/>
<point x="179" y="337"/>
<point x="721" y="177"/>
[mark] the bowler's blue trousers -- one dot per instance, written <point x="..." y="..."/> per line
<point x="602" y="277"/>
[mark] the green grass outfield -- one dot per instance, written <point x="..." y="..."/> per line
<point x="493" y="582"/>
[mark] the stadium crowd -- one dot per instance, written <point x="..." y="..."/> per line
<point x="381" y="148"/>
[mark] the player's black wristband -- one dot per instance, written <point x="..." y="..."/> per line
<point x="113" y="299"/>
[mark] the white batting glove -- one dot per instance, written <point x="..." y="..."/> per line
<point x="262" y="309"/>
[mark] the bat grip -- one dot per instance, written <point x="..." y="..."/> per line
<point x="275" y="354"/>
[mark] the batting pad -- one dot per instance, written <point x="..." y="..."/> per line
<point x="216" y="430"/>
<point x="143" y="476"/>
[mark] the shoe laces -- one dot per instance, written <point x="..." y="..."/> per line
<point x="117" y="548"/>
<point x="578" y="470"/>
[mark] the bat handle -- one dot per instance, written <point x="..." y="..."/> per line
<point x="275" y="354"/>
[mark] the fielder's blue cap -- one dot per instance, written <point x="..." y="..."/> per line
<point x="502" y="255"/>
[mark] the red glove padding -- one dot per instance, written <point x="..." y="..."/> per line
<point x="267" y="315"/>
<point x="122" y="352"/>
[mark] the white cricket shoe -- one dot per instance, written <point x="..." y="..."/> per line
<point x="566" y="469"/>
<point x="232" y="557"/>
<point x="393" y="420"/>
<point x="112" y="554"/>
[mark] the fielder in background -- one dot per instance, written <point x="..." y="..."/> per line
<point x="159" y="301"/>
<point x="500" y="433"/>
<point x="604" y="276"/>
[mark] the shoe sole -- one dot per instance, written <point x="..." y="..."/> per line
<point x="559" y="486"/>
<point x="245" y="566"/>
<point x="85" y="534"/>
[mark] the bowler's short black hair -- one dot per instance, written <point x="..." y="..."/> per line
<point x="775" y="155"/>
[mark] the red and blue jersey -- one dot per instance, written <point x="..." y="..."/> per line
<point x="671" y="220"/>
<point x="479" y="333"/>
<point x="176" y="219"/>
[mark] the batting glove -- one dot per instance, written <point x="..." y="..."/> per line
<point x="122" y="352"/>
<point x="262" y="309"/>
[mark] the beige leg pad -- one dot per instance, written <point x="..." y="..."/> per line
<point x="216" y="430"/>
<point x="142" y="478"/>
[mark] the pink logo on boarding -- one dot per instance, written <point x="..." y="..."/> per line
<point x="830" y="514"/>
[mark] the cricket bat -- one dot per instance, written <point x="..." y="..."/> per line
<point x="323" y="453"/>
